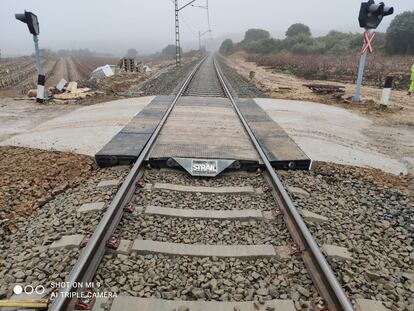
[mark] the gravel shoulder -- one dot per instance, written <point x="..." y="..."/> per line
<point x="240" y="85"/>
<point x="30" y="177"/>
<point x="25" y="256"/>
<point x="168" y="82"/>
<point x="370" y="213"/>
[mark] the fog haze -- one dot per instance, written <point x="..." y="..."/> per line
<point x="114" y="26"/>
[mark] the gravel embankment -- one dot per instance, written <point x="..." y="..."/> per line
<point x="169" y="82"/>
<point x="240" y="86"/>
<point x="371" y="213"/>
<point x="192" y="278"/>
<point x="25" y="257"/>
<point x="31" y="177"/>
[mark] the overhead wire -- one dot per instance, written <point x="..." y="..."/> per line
<point x="190" y="25"/>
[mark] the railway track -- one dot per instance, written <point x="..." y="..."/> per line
<point x="194" y="243"/>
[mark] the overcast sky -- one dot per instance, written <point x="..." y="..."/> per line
<point x="114" y="26"/>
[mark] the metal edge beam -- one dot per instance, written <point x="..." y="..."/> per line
<point x="321" y="272"/>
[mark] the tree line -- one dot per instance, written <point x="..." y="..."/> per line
<point x="398" y="39"/>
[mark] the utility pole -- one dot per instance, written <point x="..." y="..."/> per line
<point x="177" y="31"/>
<point x="208" y="23"/>
<point x="177" y="37"/>
<point x="200" y="34"/>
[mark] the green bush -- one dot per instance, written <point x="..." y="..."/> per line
<point x="298" y="29"/>
<point x="400" y="34"/>
<point x="262" y="47"/>
<point x="299" y="41"/>
<point x="256" y="35"/>
<point x="169" y="50"/>
<point x="289" y="42"/>
<point x="227" y="47"/>
<point x="301" y="48"/>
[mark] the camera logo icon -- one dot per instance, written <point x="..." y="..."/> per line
<point x="28" y="289"/>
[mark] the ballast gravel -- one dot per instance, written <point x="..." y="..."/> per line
<point x="234" y="179"/>
<point x="209" y="232"/>
<point x="25" y="257"/>
<point x="169" y="82"/>
<point x="174" y="199"/>
<point x="31" y="177"/>
<point x="240" y="86"/>
<point x="370" y="213"/>
<point x="192" y="278"/>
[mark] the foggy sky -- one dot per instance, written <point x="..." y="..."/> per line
<point x="114" y="26"/>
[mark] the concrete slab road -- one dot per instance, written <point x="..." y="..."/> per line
<point x="334" y="134"/>
<point x="85" y="130"/>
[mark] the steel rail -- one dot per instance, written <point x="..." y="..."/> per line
<point x="321" y="273"/>
<point x="92" y="254"/>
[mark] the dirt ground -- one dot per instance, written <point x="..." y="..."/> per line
<point x="20" y="74"/>
<point x="285" y="86"/>
<point x="17" y="116"/>
<point x="31" y="177"/>
<point x="387" y="131"/>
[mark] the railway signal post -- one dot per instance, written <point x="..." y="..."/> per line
<point x="370" y="16"/>
<point x="32" y="23"/>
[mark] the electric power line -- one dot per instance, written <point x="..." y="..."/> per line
<point x="188" y="24"/>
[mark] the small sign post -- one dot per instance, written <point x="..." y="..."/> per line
<point x="386" y="92"/>
<point x="32" y="23"/>
<point x="370" y="16"/>
<point x="367" y="47"/>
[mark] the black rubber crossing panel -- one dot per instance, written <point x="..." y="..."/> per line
<point x="126" y="146"/>
<point x="204" y="127"/>
<point x="281" y="151"/>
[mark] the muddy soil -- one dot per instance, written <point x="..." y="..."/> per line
<point x="286" y="86"/>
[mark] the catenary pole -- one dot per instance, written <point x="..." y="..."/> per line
<point x="177" y="31"/>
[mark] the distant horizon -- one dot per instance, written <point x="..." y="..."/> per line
<point x="98" y="26"/>
<point x="233" y="36"/>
